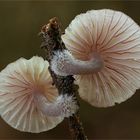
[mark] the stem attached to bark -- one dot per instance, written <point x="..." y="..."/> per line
<point x="51" y="42"/>
<point x="63" y="63"/>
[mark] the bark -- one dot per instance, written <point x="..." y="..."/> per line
<point x="51" y="42"/>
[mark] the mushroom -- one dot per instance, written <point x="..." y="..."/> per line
<point x="28" y="100"/>
<point x="103" y="54"/>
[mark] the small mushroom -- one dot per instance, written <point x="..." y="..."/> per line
<point x="104" y="53"/>
<point x="21" y="84"/>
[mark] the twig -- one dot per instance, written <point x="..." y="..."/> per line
<point x="51" y="41"/>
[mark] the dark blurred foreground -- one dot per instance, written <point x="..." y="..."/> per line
<point x="20" y="23"/>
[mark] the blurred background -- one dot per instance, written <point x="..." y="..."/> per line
<point x="20" y="23"/>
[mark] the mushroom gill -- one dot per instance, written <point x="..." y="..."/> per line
<point x="116" y="38"/>
<point x="20" y="83"/>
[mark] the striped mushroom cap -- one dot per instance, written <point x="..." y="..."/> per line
<point x="115" y="37"/>
<point x="20" y="82"/>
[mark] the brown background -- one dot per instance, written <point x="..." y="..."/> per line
<point x="20" y="23"/>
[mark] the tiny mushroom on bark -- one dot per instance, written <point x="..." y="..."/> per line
<point x="28" y="100"/>
<point x="103" y="54"/>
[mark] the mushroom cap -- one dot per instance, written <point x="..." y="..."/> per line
<point x="20" y="81"/>
<point x="116" y="38"/>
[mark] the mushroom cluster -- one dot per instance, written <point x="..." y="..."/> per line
<point x="103" y="53"/>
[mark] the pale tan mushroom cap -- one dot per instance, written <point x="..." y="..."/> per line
<point x="19" y="83"/>
<point x="116" y="37"/>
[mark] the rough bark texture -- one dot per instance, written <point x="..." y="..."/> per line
<point x="51" y="41"/>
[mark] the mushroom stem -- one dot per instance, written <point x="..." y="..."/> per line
<point x="63" y="63"/>
<point x="64" y="106"/>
